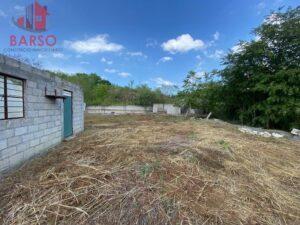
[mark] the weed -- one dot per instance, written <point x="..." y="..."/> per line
<point x="225" y="145"/>
<point x="148" y="168"/>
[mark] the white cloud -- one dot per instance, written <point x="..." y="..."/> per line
<point x="165" y="59"/>
<point x="182" y="43"/>
<point x="56" y="55"/>
<point x="257" y="38"/>
<point x="69" y="69"/>
<point x="2" y="14"/>
<point x="124" y="74"/>
<point x="108" y="62"/>
<point x="162" y="82"/>
<point x="59" y="55"/>
<point x="110" y="70"/>
<point x="95" y="44"/>
<point x="41" y="56"/>
<point x="217" y="54"/>
<point x="216" y="36"/>
<point x="238" y="48"/>
<point x="197" y="77"/>
<point x="198" y="57"/>
<point x="84" y="62"/>
<point x="150" y="42"/>
<point x="137" y="54"/>
<point x="19" y="8"/>
<point x="273" y="19"/>
<point x="200" y="74"/>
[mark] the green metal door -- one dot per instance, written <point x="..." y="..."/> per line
<point x="68" y="117"/>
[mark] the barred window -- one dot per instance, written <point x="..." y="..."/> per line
<point x="2" y="116"/>
<point x="11" y="97"/>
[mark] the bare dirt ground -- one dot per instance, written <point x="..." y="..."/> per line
<point x="157" y="170"/>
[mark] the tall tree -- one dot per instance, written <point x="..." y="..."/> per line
<point x="260" y="82"/>
<point x="262" y="78"/>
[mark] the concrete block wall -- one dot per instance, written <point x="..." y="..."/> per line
<point x="133" y="109"/>
<point x="118" y="110"/>
<point x="167" y="108"/>
<point x="42" y="126"/>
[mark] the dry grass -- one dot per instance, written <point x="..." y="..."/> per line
<point x="157" y="170"/>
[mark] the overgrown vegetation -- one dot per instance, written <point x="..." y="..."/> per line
<point x="157" y="170"/>
<point x="260" y="82"/>
<point x="98" y="91"/>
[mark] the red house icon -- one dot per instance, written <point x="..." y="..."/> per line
<point x="35" y="18"/>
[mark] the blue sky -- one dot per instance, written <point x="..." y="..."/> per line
<point x="151" y="42"/>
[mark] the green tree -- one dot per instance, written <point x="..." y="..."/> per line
<point x="260" y="82"/>
<point x="98" y="91"/>
<point x="202" y="92"/>
<point x="262" y="79"/>
<point x="146" y="97"/>
<point x="89" y="82"/>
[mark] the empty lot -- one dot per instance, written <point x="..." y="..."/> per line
<point x="157" y="170"/>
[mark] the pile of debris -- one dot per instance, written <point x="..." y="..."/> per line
<point x="295" y="133"/>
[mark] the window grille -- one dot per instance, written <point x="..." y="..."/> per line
<point x="11" y="97"/>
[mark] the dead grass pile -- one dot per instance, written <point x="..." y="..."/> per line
<point x="157" y="170"/>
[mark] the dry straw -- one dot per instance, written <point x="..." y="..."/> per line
<point x="157" y="170"/>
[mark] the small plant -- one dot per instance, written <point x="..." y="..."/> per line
<point x="225" y="145"/>
<point x="226" y="148"/>
<point x="147" y="168"/>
